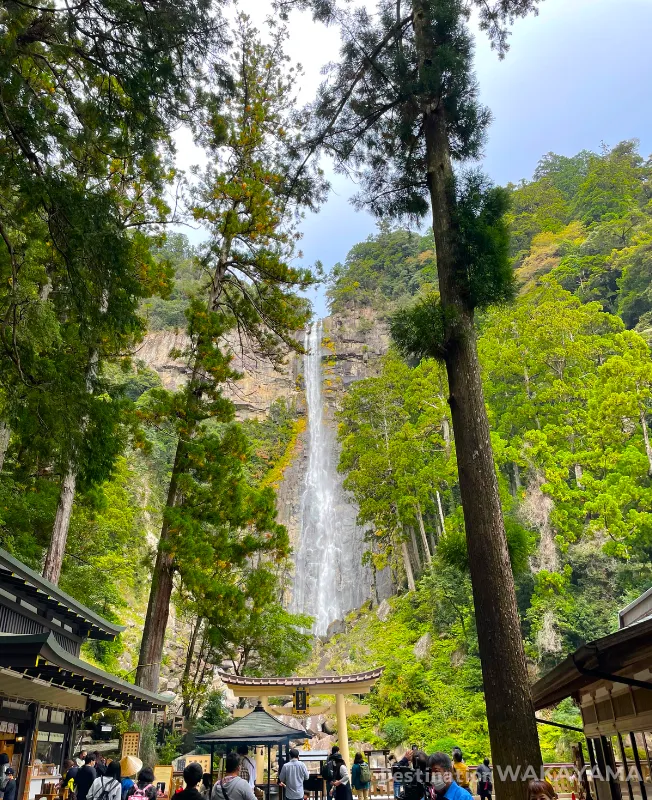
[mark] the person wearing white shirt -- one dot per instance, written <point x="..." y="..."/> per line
<point x="107" y="787"/>
<point x="292" y="775"/>
<point x="247" y="766"/>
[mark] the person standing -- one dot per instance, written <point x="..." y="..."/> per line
<point x="483" y="785"/>
<point x="415" y="777"/>
<point x="130" y="766"/>
<point x="192" y="776"/>
<point x="107" y="786"/>
<point x="144" y="788"/>
<point x="361" y="777"/>
<point x="342" y="782"/>
<point x="81" y="758"/>
<point x="247" y="766"/>
<point x="100" y="763"/>
<point x="206" y="785"/>
<point x="10" y="788"/>
<point x="292" y="776"/>
<point x="442" y="778"/>
<point x="398" y="774"/>
<point x="70" y="770"/>
<point x="232" y="786"/>
<point x="85" y="777"/>
<point x="328" y="770"/>
<point x="461" y="770"/>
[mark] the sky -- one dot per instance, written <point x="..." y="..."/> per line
<point x="577" y="75"/>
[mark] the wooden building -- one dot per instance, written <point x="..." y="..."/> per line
<point x="611" y="681"/>
<point x="45" y="688"/>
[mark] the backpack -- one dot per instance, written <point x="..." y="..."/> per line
<point x="141" y="794"/>
<point x="365" y="772"/>
<point x="328" y="772"/>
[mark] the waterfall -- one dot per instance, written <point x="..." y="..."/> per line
<point x="329" y="578"/>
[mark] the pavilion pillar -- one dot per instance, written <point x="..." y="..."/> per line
<point x="260" y="751"/>
<point x="342" y="729"/>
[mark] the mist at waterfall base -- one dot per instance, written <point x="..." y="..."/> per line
<point x="329" y="578"/>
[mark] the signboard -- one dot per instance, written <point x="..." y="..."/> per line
<point x="130" y="744"/>
<point x="181" y="763"/>
<point x="300" y="701"/>
<point x="163" y="778"/>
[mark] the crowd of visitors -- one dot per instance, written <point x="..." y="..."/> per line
<point x="415" y="776"/>
<point x="91" y="777"/>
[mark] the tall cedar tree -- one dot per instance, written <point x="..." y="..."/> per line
<point x="247" y="203"/>
<point x="90" y="93"/>
<point x="398" y="109"/>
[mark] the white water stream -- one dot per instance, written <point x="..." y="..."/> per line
<point x="329" y="579"/>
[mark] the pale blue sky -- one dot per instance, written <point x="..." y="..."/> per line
<point x="578" y="74"/>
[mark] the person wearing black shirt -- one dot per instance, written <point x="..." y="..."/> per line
<point x="192" y="775"/>
<point x="85" y="777"/>
<point x="10" y="786"/>
<point x="70" y="770"/>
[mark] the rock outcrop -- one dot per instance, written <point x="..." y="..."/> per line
<point x="253" y="394"/>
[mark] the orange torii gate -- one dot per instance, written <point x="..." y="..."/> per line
<point x="300" y="688"/>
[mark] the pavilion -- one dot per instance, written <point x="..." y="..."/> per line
<point x="258" y="729"/>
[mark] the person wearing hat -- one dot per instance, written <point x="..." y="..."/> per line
<point x="342" y="782"/>
<point x="10" y="784"/>
<point x="129" y="766"/>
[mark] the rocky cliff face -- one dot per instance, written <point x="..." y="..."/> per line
<point x="353" y="342"/>
<point x="261" y="384"/>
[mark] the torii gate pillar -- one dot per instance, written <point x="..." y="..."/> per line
<point x="342" y="729"/>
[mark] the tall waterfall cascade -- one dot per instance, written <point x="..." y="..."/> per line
<point x="329" y="578"/>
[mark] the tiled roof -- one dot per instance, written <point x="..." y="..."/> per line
<point x="259" y="727"/>
<point x="295" y="680"/>
<point x="39" y="656"/>
<point x="22" y="582"/>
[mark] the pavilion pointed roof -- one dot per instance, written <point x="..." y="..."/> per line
<point x="257" y="728"/>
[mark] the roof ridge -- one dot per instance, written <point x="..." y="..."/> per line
<point x="299" y="680"/>
<point x="13" y="565"/>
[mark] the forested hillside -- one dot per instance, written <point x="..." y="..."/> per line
<point x="568" y="385"/>
<point x="587" y="220"/>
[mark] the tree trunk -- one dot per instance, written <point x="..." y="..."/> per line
<point x="646" y="439"/>
<point x="424" y="537"/>
<point x="5" y="436"/>
<point x="442" y="522"/>
<point x="158" y="607"/>
<point x="57" y="548"/>
<point x="510" y="713"/>
<point x="579" y="472"/>
<point x="408" y="567"/>
<point x="415" y="549"/>
<point x="187" y="696"/>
